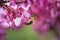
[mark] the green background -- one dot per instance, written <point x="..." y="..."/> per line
<point x="27" y="33"/>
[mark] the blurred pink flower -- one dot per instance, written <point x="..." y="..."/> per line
<point x="46" y="12"/>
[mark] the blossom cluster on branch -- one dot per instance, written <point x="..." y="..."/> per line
<point x="15" y="13"/>
<point x="12" y="16"/>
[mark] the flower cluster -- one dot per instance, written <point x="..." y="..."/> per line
<point x="47" y="14"/>
<point x="12" y="16"/>
<point x="15" y="13"/>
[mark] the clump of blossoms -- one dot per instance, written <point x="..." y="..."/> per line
<point x="12" y="16"/>
<point x="18" y="12"/>
<point x="47" y="14"/>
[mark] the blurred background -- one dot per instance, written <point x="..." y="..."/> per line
<point x="27" y="33"/>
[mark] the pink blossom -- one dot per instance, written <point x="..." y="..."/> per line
<point x="15" y="15"/>
<point x="12" y="17"/>
<point x="46" y="12"/>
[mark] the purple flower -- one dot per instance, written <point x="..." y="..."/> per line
<point x="13" y="17"/>
<point x="46" y="12"/>
<point x="18" y="12"/>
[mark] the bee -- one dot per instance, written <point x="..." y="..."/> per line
<point x="31" y="20"/>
